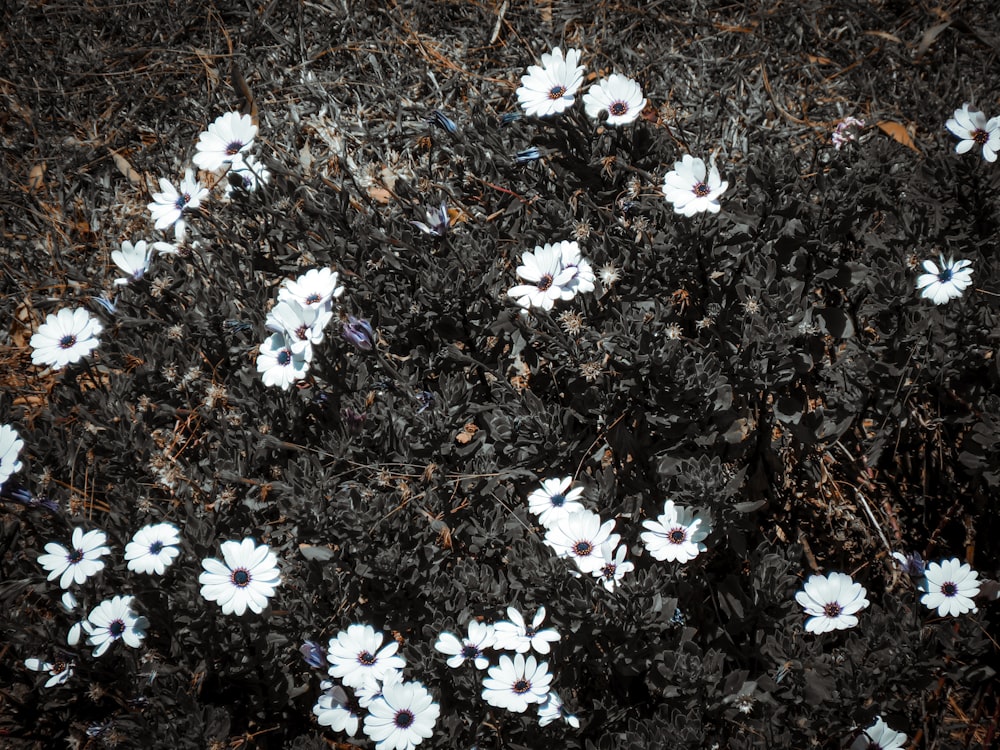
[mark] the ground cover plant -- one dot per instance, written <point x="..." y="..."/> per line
<point x="498" y="375"/>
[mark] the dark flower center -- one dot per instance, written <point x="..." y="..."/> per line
<point x="284" y="357"/>
<point x="980" y="136"/>
<point x="529" y="632"/>
<point x="608" y="571"/>
<point x="366" y="658"/>
<point x="58" y="667"/>
<point x="617" y="109"/>
<point x="74" y="556"/>
<point x="583" y="549"/>
<point x="833" y="609"/>
<point x="403" y="718"/>
<point x="557" y="500"/>
<point x="116" y="628"/>
<point x="945" y="276"/>
<point x="949" y="589"/>
<point x="241" y="577"/>
<point x="522" y="686"/>
<point x="677" y="536"/>
<point x="67" y="342"/>
<point x="470" y="651"/>
<point x="155" y="548"/>
<point x="312" y="299"/>
<point x="556" y="92"/>
<point x="545" y="282"/>
<point x="701" y="190"/>
<point x="302" y="332"/>
<point x="234" y="148"/>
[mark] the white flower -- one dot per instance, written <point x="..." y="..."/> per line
<point x="481" y="637"/>
<point x="515" y="683"/>
<point x="549" y="89"/>
<point x="10" y="448"/>
<point x="69" y="604"/>
<point x="302" y="326"/>
<point x="549" y="280"/>
<point x="225" y="142"/>
<point x="676" y="535"/>
<point x="153" y="548"/>
<point x="944" y="283"/>
<point x="832" y="602"/>
<point x="77" y="564"/>
<point x="879" y="737"/>
<point x="247" y="579"/>
<point x="973" y="128"/>
<point x="113" y="620"/>
<point x="553" y="709"/>
<point x="336" y="709"/>
<point x="403" y="717"/>
<point x="515" y="635"/>
<point x="133" y="260"/>
<point x="689" y="190"/>
<point x="615" y="567"/>
<point x="583" y="276"/>
<point x="315" y="288"/>
<point x="65" y="337"/>
<point x="951" y="586"/>
<point x="169" y="205"/>
<point x="579" y="536"/>
<point x="551" y="501"/>
<point x="355" y="657"/>
<point x="278" y="364"/>
<point x="619" y="96"/>
<point x="252" y="174"/>
<point x="59" y="672"/>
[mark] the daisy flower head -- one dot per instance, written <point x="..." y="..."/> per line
<point x="619" y="96"/>
<point x="170" y="204"/>
<point x="580" y="536"/>
<point x="677" y="534"/>
<point x="249" y="176"/>
<point x="133" y="260"/>
<point x="245" y="580"/>
<point x="153" y="548"/>
<point x="302" y="326"/>
<point x="951" y="586"/>
<point x="514" y="634"/>
<point x="832" y="602"/>
<point x="973" y="129"/>
<point x="481" y="637"/>
<point x="10" y="448"/>
<point x="548" y="279"/>
<point x="357" y="656"/>
<point x="403" y="717"/>
<point x="315" y="288"/>
<point x="225" y="142"/>
<point x="615" y="566"/>
<point x="879" y="736"/>
<point x="517" y="682"/>
<point x="946" y="282"/>
<point x="549" y="88"/>
<point x="554" y="500"/>
<point x="79" y="562"/>
<point x="553" y="709"/>
<point x="583" y="277"/>
<point x="64" y="338"/>
<point x="336" y="709"/>
<point x="59" y="671"/>
<point x="279" y="365"/>
<point x="692" y="188"/>
<point x="114" y="620"/>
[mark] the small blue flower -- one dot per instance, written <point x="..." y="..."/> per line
<point x="438" y="222"/>
<point x="510" y="117"/>
<point x="314" y="654"/>
<point x="359" y="332"/>
<point x="110" y="305"/>
<point x="437" y="117"/>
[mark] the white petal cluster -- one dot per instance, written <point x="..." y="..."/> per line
<point x="946" y="281"/>
<point x="554" y="272"/>
<point x="78" y="563"/>
<point x="244" y="579"/>
<point x="677" y="534"/>
<point x="549" y="88"/>
<point x="950" y="586"/>
<point x="114" y="620"/>
<point x="973" y="129"/>
<point x="64" y="338"/>
<point x="618" y="96"/>
<point x="10" y="448"/>
<point x="692" y="188"/>
<point x="832" y="602"/>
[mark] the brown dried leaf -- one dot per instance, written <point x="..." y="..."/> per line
<point x="468" y="432"/>
<point x="899" y="133"/>
<point x="36" y="178"/>
<point x="125" y="167"/>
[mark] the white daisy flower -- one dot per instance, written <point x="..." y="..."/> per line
<point x="169" y="205"/>
<point x="946" y="282"/>
<point x="517" y="682"/>
<point x="403" y="717"/>
<point x="358" y="658"/>
<point x="688" y="188"/>
<point x="832" y="602"/>
<point x="65" y="337"/>
<point x="549" y="280"/>
<point x="278" y="364"/>
<point x="153" y="548"/>
<point x="252" y="174"/>
<point x="516" y="635"/>
<point x="554" y="500"/>
<point x="583" y="277"/>
<point x="246" y="579"/>
<point x="80" y="562"/>
<point x="481" y="637"/>
<point x="580" y="536"/>
<point x="677" y="534"/>
<point x="133" y="260"/>
<point x="553" y="709"/>
<point x="615" y="566"/>
<point x="879" y="736"/>
<point x="314" y="288"/>
<point x="59" y="671"/>
<point x="549" y="89"/>
<point x="951" y="587"/>
<point x="338" y="710"/>
<point x="114" y="620"/>
<point x="302" y="326"/>
<point x="619" y="96"/>
<point x="974" y="129"/>
<point x="225" y="142"/>
<point x="10" y="448"/>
